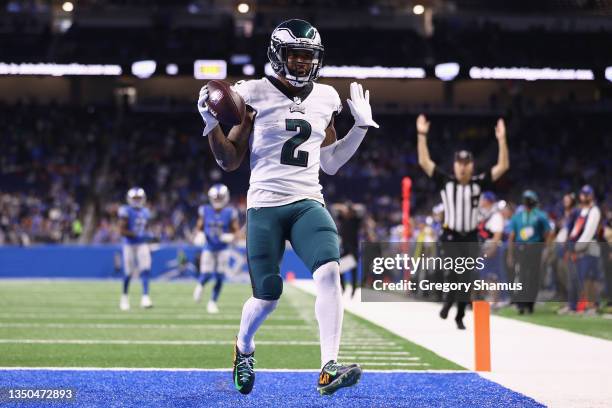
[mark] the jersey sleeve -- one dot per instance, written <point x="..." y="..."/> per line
<point x="123" y="212"/>
<point x="337" y="102"/>
<point x="201" y="211"/>
<point x="496" y="223"/>
<point x="244" y="89"/>
<point x="233" y="214"/>
<point x="440" y="177"/>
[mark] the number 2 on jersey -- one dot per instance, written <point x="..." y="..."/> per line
<point x="288" y="155"/>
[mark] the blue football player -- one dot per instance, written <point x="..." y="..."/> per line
<point x="133" y="219"/>
<point x="220" y="224"/>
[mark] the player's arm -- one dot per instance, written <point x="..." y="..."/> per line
<point x="234" y="227"/>
<point x="335" y="153"/>
<point x="428" y="165"/>
<point x="124" y="229"/>
<point x="503" y="158"/>
<point x="228" y="151"/>
<point x="199" y="224"/>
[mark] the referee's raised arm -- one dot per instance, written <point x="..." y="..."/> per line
<point x="428" y="165"/>
<point x="503" y="158"/>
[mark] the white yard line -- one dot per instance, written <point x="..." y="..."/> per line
<point x="159" y="342"/>
<point x="387" y="358"/>
<point x="378" y="363"/>
<point x="271" y="370"/>
<point x="553" y="366"/>
<point x="131" y="316"/>
<point x="376" y="353"/>
<point x="124" y="326"/>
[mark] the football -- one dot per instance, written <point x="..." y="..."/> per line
<point x="224" y="103"/>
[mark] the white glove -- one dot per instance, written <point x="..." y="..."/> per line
<point x="360" y="106"/>
<point x="226" y="237"/>
<point x="210" y="122"/>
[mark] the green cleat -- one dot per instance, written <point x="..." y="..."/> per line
<point x="334" y="376"/>
<point x="243" y="373"/>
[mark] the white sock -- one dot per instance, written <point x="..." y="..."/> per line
<point x="254" y="312"/>
<point x="328" y="309"/>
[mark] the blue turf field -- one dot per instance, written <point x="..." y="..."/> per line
<point x="272" y="389"/>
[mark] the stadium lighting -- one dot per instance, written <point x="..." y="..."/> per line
<point x="418" y="9"/>
<point x="68" y="6"/>
<point x="59" y="69"/>
<point x="171" y="69"/>
<point x="143" y="69"/>
<point x="447" y="71"/>
<point x="248" y="69"/>
<point x="609" y="73"/>
<point x="358" y="72"/>
<point x="243" y="8"/>
<point x="210" y="69"/>
<point x="531" y="74"/>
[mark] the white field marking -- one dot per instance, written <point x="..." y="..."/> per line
<point x="366" y="344"/>
<point x="359" y="346"/>
<point x="366" y="352"/>
<point x="225" y="370"/>
<point x="157" y="310"/>
<point x="387" y="358"/>
<point x="128" y="316"/>
<point x="378" y="363"/>
<point x="155" y="342"/>
<point x="109" y="307"/>
<point x="147" y="326"/>
<point x="373" y="338"/>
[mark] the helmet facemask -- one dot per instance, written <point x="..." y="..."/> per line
<point x="314" y="56"/>
<point x="136" y="197"/>
<point x="218" y="196"/>
<point x="285" y="42"/>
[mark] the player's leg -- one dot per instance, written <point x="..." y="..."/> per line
<point x="211" y="307"/>
<point x="265" y="246"/>
<point x="128" y="269"/>
<point x="219" y="276"/>
<point x="144" y="266"/>
<point x="315" y="239"/>
<point x="207" y="266"/>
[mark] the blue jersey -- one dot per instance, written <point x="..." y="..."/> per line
<point x="215" y="224"/>
<point x="137" y="219"/>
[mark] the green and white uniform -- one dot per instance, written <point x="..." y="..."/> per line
<point x="285" y="201"/>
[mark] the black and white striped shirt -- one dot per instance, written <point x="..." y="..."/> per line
<point x="461" y="200"/>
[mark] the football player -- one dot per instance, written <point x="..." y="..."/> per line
<point x="220" y="224"/>
<point x="289" y="128"/>
<point x="133" y="219"/>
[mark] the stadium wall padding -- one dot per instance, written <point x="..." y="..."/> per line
<point x="104" y="261"/>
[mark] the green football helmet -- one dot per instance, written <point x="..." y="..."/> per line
<point x="295" y="35"/>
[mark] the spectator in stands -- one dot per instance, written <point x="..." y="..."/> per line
<point x="529" y="229"/>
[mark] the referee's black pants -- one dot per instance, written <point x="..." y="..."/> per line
<point x="455" y="245"/>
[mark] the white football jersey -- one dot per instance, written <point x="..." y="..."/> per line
<point x="286" y="140"/>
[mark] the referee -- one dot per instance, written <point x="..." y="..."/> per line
<point x="460" y="195"/>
